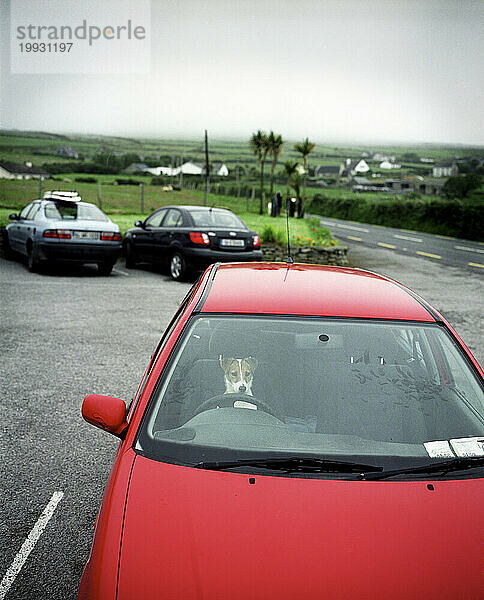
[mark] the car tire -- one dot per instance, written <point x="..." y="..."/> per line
<point x="178" y="266"/>
<point x="33" y="263"/>
<point x="105" y="268"/>
<point x="130" y="256"/>
<point x="7" y="249"/>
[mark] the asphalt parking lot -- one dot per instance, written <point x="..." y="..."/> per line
<point x="65" y="334"/>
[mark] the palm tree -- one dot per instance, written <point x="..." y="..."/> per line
<point x="290" y="170"/>
<point x="275" y="143"/>
<point x="259" y="144"/>
<point x="305" y="148"/>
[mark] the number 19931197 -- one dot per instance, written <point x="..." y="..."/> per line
<point x="45" y="46"/>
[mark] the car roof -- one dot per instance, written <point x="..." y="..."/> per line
<point x="191" y="207"/>
<point x="297" y="289"/>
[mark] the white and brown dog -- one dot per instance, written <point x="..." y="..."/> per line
<point x="239" y="374"/>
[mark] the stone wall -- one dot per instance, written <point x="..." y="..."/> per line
<point x="316" y="255"/>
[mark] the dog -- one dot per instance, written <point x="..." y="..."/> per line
<point x="239" y="374"/>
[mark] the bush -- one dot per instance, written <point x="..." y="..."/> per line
<point x="433" y="215"/>
<point x="126" y="182"/>
<point x="86" y="179"/>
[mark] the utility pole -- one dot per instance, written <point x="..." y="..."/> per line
<point x="181" y="171"/>
<point x="142" y="199"/>
<point x="207" y="171"/>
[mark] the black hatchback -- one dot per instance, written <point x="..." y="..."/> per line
<point x="189" y="238"/>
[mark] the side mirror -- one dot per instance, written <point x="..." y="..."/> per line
<point x="138" y="224"/>
<point x="105" y="412"/>
<point x="13" y="217"/>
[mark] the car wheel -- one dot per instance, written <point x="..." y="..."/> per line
<point x="7" y="249"/>
<point x="105" y="268"/>
<point x="33" y="262"/>
<point x="178" y="266"/>
<point x="130" y="256"/>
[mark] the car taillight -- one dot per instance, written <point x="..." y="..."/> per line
<point x="255" y="241"/>
<point x="62" y="234"/>
<point x="110" y="236"/>
<point x="199" y="238"/>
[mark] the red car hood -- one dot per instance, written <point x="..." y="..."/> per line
<point x="195" y="534"/>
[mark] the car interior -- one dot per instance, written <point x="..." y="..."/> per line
<point x="319" y="378"/>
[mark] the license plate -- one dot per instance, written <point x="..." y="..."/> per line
<point x="85" y="235"/>
<point x="233" y="243"/>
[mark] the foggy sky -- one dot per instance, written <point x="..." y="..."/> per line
<point x="367" y="71"/>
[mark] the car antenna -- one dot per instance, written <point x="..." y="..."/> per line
<point x="289" y="259"/>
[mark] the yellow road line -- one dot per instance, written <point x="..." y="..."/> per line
<point x="445" y="237"/>
<point x="428" y="254"/>
<point x="385" y="245"/>
<point x="476" y="265"/>
<point x="352" y="237"/>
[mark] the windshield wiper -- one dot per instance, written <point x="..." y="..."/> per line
<point x="292" y="464"/>
<point x="445" y="466"/>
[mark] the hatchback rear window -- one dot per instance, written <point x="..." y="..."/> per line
<point x="74" y="211"/>
<point x="216" y="218"/>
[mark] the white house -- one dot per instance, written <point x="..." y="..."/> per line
<point x="353" y="167"/>
<point x="445" y="169"/>
<point x="10" y="170"/>
<point x="220" y="169"/>
<point x="386" y="164"/>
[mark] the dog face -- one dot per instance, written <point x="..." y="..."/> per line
<point x="239" y="373"/>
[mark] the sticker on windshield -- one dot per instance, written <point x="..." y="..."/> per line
<point x="439" y="449"/>
<point x="472" y="446"/>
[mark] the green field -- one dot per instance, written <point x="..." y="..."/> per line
<point x="41" y="147"/>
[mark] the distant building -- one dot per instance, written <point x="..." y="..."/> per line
<point x="427" y="160"/>
<point x="136" y="169"/>
<point x="445" y="169"/>
<point x="379" y="157"/>
<point x="10" y="170"/>
<point x="328" y="171"/>
<point x="386" y="164"/>
<point x="220" y="169"/>
<point x="67" y="152"/>
<point x="353" y="167"/>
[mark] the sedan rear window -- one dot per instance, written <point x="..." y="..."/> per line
<point x="216" y="218"/>
<point x="74" y="211"/>
<point x="319" y="386"/>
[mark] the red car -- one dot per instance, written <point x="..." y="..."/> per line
<point x="300" y="432"/>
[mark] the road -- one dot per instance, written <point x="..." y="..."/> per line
<point x="449" y="251"/>
<point x="67" y="334"/>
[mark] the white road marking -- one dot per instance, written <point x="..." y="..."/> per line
<point x="29" y="544"/>
<point x="407" y="237"/>
<point x="468" y="249"/>
<point x="120" y="272"/>
<point x="352" y="227"/>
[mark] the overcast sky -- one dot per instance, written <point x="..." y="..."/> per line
<point x="342" y="70"/>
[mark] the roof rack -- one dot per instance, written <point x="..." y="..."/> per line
<point x="71" y="196"/>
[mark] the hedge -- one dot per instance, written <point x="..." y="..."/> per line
<point x="463" y="219"/>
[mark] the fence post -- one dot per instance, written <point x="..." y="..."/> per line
<point x="99" y="199"/>
<point x="142" y="198"/>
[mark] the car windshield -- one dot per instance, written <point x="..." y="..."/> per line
<point x="216" y="218"/>
<point x="314" y="386"/>
<point x="70" y="211"/>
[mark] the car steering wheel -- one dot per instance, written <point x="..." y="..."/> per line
<point x="227" y="400"/>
